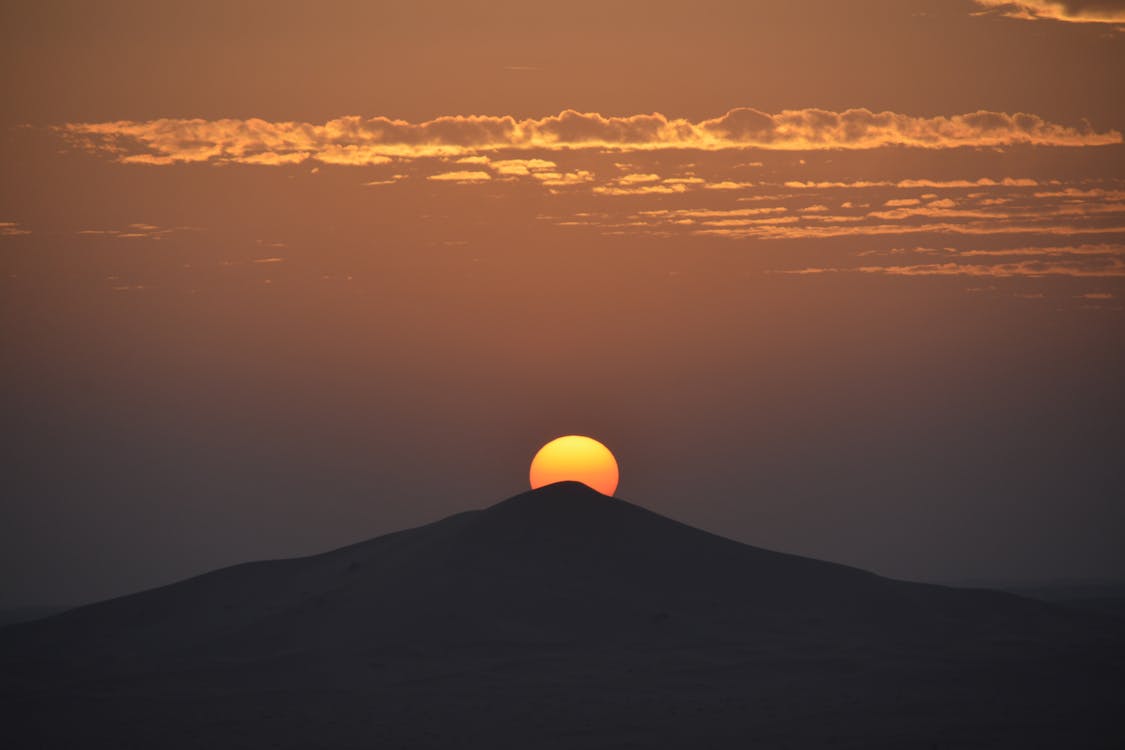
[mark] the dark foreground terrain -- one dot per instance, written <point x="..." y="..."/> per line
<point x="561" y="619"/>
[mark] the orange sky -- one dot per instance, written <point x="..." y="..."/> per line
<point x="841" y="279"/>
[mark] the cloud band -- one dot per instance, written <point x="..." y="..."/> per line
<point x="354" y="140"/>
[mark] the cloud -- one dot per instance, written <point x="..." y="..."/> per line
<point x="1030" y="215"/>
<point x="461" y="176"/>
<point x="12" y="229"/>
<point x="710" y="213"/>
<point x="1072" y="11"/>
<point x="564" y="179"/>
<point x="136" y="231"/>
<point x="1095" y="261"/>
<point x="915" y="183"/>
<point x="897" y="214"/>
<point x="1106" y="268"/>
<point x="358" y="141"/>
<point x="642" y="183"/>
<point x="1076" y="193"/>
<point x="390" y="180"/>
<point x="772" y="221"/>
<point x="1027" y="251"/>
<point x="798" y="185"/>
<point x="1111" y="267"/>
<point x="518" y="167"/>
<point x="860" y="230"/>
<point x="982" y="182"/>
<point x="1014" y="208"/>
<point x="546" y="172"/>
<point x="634" y="179"/>
<point x="727" y="185"/>
<point x="627" y="189"/>
<point x="1052" y="251"/>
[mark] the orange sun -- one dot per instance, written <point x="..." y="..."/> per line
<point x="578" y="459"/>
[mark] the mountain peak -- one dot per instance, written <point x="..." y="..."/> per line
<point x="558" y="493"/>
<point x="569" y="488"/>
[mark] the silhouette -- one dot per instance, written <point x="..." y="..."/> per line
<point x="562" y="618"/>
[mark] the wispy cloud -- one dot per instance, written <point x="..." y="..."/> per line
<point x="1106" y="268"/>
<point x="1008" y="206"/>
<point x="12" y="229"/>
<point x="564" y="179"/>
<point x="389" y="180"/>
<point x="513" y="167"/>
<point x="914" y="183"/>
<point x="354" y="140"/>
<point x="136" y="231"/>
<point x="635" y="189"/>
<point x="771" y="230"/>
<point x="466" y="176"/>
<point x="1052" y="251"/>
<point x="1094" y="261"/>
<point x="1071" y="11"/>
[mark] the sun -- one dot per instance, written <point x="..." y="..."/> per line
<point x="575" y="458"/>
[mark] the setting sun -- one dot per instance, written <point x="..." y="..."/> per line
<point x="575" y="458"/>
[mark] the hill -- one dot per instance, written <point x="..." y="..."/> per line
<point x="562" y="618"/>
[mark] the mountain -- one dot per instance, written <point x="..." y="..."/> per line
<point x="26" y="614"/>
<point x="1107" y="598"/>
<point x="562" y="618"/>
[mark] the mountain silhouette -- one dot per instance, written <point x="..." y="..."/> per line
<point x="562" y="618"/>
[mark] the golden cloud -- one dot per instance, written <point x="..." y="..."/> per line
<point x="1049" y="251"/>
<point x="510" y="167"/>
<point x="1082" y="261"/>
<point x="1104" y="268"/>
<point x="918" y="183"/>
<point x="1093" y="261"/>
<point x="898" y="216"/>
<point x="627" y="189"/>
<point x="461" y="176"/>
<point x="354" y="140"/>
<point x="773" y="231"/>
<point x="1072" y="11"/>
<point x="564" y="179"/>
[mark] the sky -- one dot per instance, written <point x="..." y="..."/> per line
<point x="844" y="280"/>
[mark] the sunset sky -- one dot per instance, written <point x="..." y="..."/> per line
<point x="841" y="279"/>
